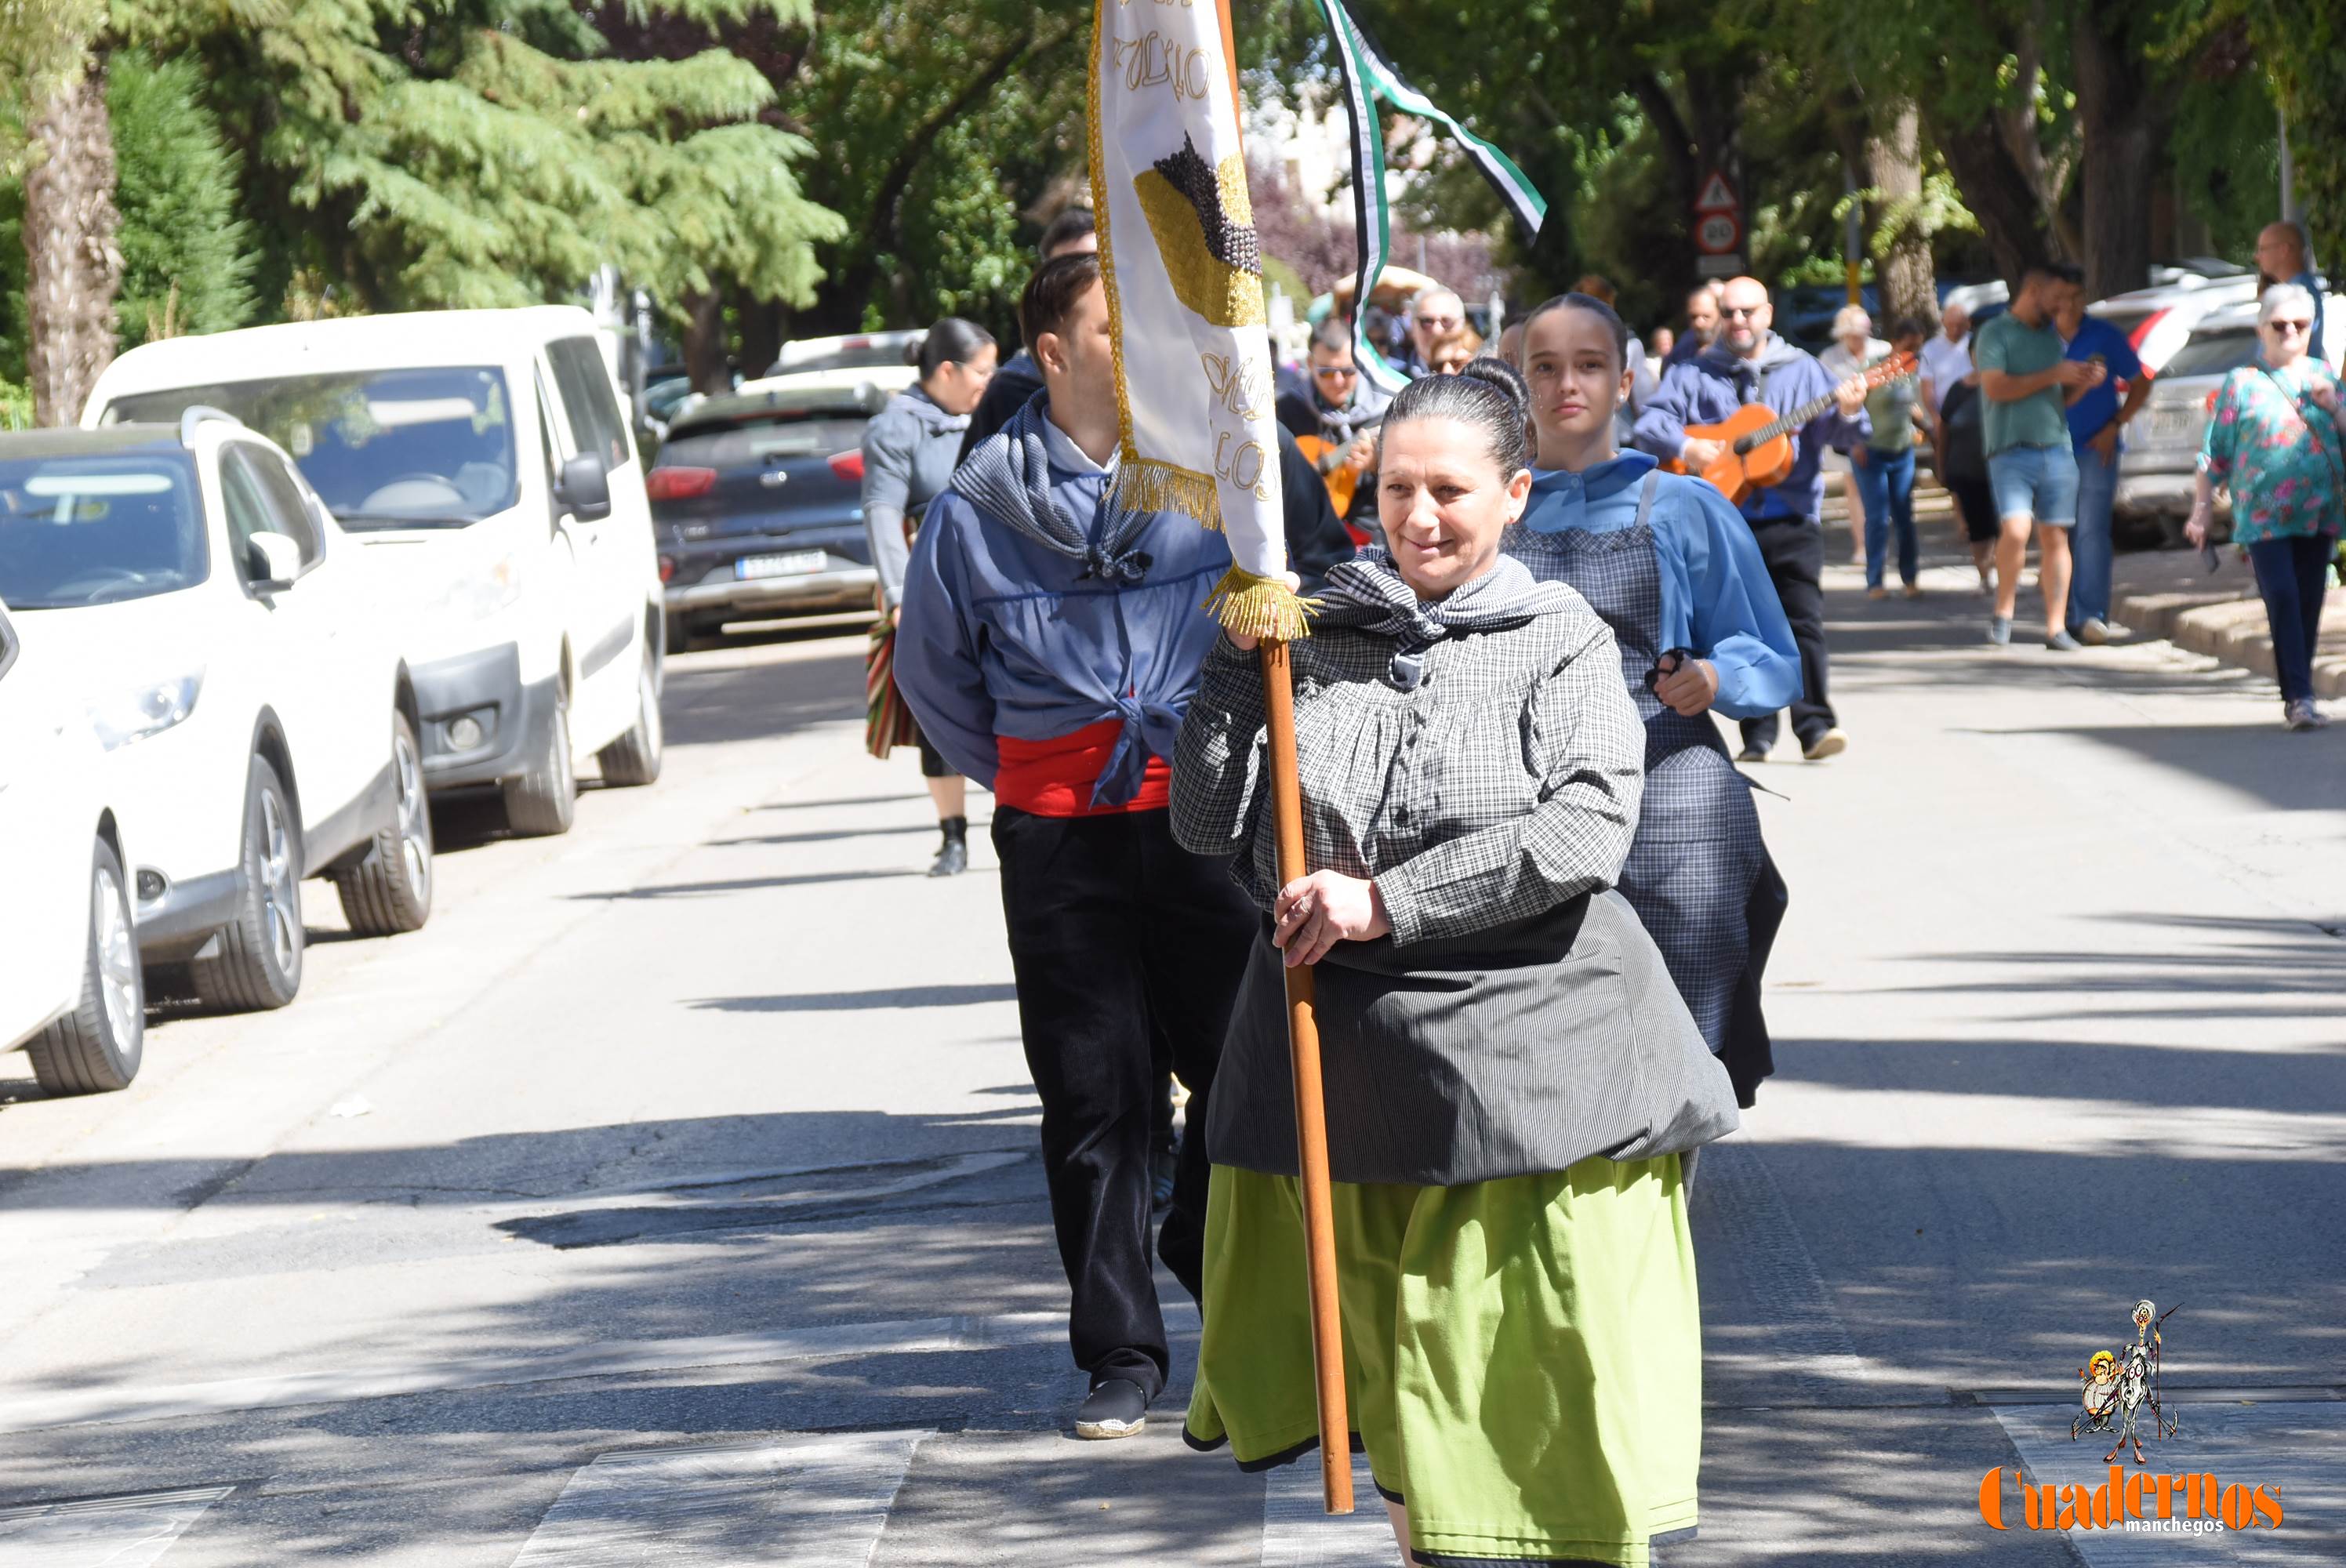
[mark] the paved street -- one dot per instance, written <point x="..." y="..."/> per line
<point x="673" y="1196"/>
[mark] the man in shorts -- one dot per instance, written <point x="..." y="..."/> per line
<point x="2028" y="381"/>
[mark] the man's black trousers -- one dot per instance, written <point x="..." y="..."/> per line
<point x="1122" y="943"/>
<point x="1794" y="549"/>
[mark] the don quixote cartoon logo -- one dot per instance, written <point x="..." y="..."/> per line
<point x="2119" y="1398"/>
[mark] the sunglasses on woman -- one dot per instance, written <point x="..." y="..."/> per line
<point x="2287" y="329"/>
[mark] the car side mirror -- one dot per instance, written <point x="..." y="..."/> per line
<point x="585" y="488"/>
<point x="275" y="561"/>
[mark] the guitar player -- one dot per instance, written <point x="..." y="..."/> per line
<point x="1747" y="363"/>
<point x="1340" y="415"/>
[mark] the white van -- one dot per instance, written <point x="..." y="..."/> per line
<point x="482" y="459"/>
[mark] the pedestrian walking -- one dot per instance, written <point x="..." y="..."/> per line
<point x="908" y="452"/>
<point x="1855" y="347"/>
<point x="1750" y="363"/>
<point x="2028" y="378"/>
<point x="1049" y="646"/>
<point x="1959" y="455"/>
<point x="1881" y="469"/>
<point x="1946" y="359"/>
<point x="1672" y="568"/>
<point x="2098" y="420"/>
<point x="2277" y="438"/>
<point x="2284" y="256"/>
<point x="1510" y="1080"/>
<point x="1074" y="232"/>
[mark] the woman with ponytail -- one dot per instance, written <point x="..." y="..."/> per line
<point x="1510" y="1077"/>
<point x="1671" y="566"/>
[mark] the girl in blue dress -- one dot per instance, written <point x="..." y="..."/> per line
<point x="1669" y="562"/>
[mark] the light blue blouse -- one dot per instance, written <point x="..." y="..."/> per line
<point x="1716" y="595"/>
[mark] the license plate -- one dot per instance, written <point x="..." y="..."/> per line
<point x="2172" y="424"/>
<point x="796" y="564"/>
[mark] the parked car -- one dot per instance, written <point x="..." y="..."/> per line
<point x="72" y="991"/>
<point x="481" y="460"/>
<point x="2157" y="321"/>
<point x="223" y="636"/>
<point x="2157" y="472"/>
<point x="891" y="352"/>
<point x="758" y="498"/>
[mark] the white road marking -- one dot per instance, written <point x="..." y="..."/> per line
<point x="1297" y="1532"/>
<point x="112" y="1533"/>
<point x="814" y="1501"/>
<point x="2291" y="1448"/>
<point x="833" y="1341"/>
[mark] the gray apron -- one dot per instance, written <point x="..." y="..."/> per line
<point x="1699" y="873"/>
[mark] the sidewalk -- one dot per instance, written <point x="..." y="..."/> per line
<point x="2168" y="594"/>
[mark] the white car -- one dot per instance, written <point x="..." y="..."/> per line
<point x="217" y="627"/>
<point x="481" y="460"/>
<point x="72" y="991"/>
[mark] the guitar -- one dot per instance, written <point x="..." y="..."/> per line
<point x="1328" y="458"/>
<point x="1759" y="439"/>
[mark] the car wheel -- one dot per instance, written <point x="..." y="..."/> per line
<point x="98" y="1044"/>
<point x="256" y="957"/>
<point x="389" y="890"/>
<point x="676" y="633"/>
<point x="634" y="757"/>
<point x="545" y="799"/>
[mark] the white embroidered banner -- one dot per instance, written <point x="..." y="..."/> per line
<point x="1184" y="275"/>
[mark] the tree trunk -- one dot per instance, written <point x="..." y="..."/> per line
<point x="2123" y="113"/>
<point x="1894" y="163"/>
<point x="704" y="343"/>
<point x="1695" y="142"/>
<point x="72" y="269"/>
<point x="1998" y="193"/>
<point x="761" y="322"/>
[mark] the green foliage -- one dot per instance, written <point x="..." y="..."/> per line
<point x="43" y="45"/>
<point x="489" y="152"/>
<point x="186" y="252"/>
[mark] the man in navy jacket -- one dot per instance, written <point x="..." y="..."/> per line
<point x="1749" y="363"/>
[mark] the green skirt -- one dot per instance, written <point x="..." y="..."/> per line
<point x="1524" y="1356"/>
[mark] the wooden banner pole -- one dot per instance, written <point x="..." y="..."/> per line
<point x="1311" y="1112"/>
<point x="1303" y="1040"/>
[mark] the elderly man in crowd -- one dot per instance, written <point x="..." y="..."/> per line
<point x="1433" y="314"/>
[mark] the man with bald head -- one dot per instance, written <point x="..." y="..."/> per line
<point x="2284" y="256"/>
<point x="1747" y="363"/>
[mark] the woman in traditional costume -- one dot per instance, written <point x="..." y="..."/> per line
<point x="1510" y="1076"/>
<point x="1671" y="566"/>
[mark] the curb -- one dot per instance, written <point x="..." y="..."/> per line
<point x="2231" y="627"/>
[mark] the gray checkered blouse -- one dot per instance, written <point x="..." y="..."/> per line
<point x="1505" y="783"/>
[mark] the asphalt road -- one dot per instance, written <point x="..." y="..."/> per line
<point x="673" y="1198"/>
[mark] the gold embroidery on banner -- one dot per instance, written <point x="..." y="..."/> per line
<point x="1205" y="232"/>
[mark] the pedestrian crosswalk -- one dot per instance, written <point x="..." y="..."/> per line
<point x="817" y="1502"/>
<point x="814" y="1500"/>
<point x="112" y="1531"/>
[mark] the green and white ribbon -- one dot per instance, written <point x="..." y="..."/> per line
<point x="1367" y="76"/>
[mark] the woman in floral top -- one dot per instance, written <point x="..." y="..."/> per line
<point x="2278" y="440"/>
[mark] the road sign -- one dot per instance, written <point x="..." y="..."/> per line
<point x="1718" y="233"/>
<point x="1717" y="196"/>
<point x="1718" y="266"/>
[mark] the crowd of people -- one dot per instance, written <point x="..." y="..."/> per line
<point x="1538" y="578"/>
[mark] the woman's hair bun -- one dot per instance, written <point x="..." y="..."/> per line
<point x="1499" y="373"/>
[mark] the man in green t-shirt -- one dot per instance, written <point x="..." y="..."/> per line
<point x="2028" y="385"/>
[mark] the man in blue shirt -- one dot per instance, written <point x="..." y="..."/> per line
<point x="2284" y="256"/>
<point x="1749" y="363"/>
<point x="2097" y="419"/>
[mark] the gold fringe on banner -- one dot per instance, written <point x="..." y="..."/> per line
<point x="1152" y="485"/>
<point x="1258" y="607"/>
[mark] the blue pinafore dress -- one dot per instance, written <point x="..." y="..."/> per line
<point x="1699" y="873"/>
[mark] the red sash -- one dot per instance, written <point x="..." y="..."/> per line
<point x="1055" y="777"/>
